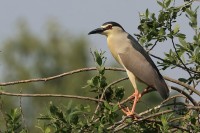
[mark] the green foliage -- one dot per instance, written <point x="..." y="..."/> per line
<point x="28" y="56"/>
<point x="164" y="26"/>
<point x="80" y="118"/>
<point x="67" y="119"/>
<point x="14" y="122"/>
<point x="98" y="83"/>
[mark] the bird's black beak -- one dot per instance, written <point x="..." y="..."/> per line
<point x="98" y="30"/>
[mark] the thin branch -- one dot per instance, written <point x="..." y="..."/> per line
<point x="90" y="69"/>
<point x="181" y="128"/>
<point x="162" y="104"/>
<point x="21" y="111"/>
<point x="50" y="95"/>
<point x="177" y="119"/>
<point x="173" y="97"/>
<point x="48" y="78"/>
<point x="124" y="125"/>
<point x="152" y="46"/>
<point x="182" y="84"/>
<point x="174" y="126"/>
<point x="185" y="94"/>
<point x="58" y="76"/>
<point x="186" y="68"/>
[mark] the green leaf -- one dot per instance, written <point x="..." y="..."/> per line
<point x="98" y="58"/>
<point x="115" y="108"/>
<point x="182" y="80"/>
<point x="73" y="117"/>
<point x="160" y="3"/>
<point x="53" y="109"/>
<point x="89" y="82"/>
<point x="182" y="41"/>
<point x="180" y="35"/>
<point x="103" y="82"/>
<point x="147" y="13"/>
<point x="95" y="81"/>
<point x="161" y="32"/>
<point x="101" y="69"/>
<point x="167" y="3"/>
<point x="47" y="130"/>
<point x="107" y="105"/>
<point x="119" y="93"/>
<point x="190" y="12"/>
<point x="176" y="28"/>
<point x="193" y="120"/>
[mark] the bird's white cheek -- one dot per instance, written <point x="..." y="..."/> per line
<point x="107" y="33"/>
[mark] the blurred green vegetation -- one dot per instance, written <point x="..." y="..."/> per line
<point x="27" y="55"/>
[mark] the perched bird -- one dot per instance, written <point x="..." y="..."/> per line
<point x="136" y="61"/>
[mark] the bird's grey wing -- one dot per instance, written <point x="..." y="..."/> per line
<point x="140" y="64"/>
<point x="140" y="49"/>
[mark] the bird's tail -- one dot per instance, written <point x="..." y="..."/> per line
<point x="162" y="88"/>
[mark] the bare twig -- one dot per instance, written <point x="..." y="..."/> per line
<point x="182" y="84"/>
<point x="90" y="69"/>
<point x="48" y="78"/>
<point x="174" y="126"/>
<point x="177" y="119"/>
<point x="22" y="113"/>
<point x="185" y="94"/>
<point x="50" y="95"/>
<point x="186" y="68"/>
<point x="152" y="46"/>
<point x="58" y="76"/>
<point x="124" y="125"/>
<point x="162" y="104"/>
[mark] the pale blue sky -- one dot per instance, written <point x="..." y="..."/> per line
<point x="79" y="17"/>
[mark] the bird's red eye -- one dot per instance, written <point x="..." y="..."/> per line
<point x="109" y="27"/>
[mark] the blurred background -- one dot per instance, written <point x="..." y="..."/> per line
<point x="45" y="38"/>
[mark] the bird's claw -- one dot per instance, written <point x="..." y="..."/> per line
<point x="126" y="110"/>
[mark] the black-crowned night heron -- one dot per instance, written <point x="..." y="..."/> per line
<point x="137" y="63"/>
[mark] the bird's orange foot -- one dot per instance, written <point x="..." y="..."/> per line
<point x="126" y="110"/>
<point x="129" y="113"/>
<point x="135" y="96"/>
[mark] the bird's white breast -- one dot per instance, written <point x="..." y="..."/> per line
<point x="118" y="43"/>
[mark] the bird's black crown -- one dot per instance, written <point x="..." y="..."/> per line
<point x="113" y="24"/>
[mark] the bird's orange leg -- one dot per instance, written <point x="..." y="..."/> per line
<point x="135" y="96"/>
